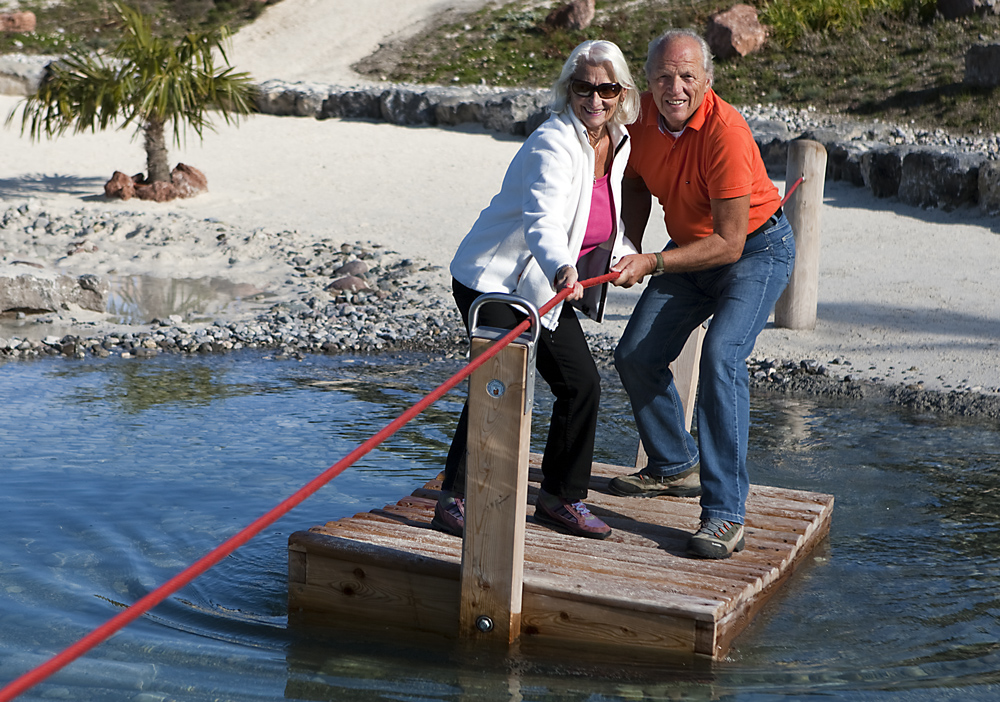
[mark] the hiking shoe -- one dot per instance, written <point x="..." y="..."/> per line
<point x="569" y="517"/>
<point x="684" y="484"/>
<point x="717" y="538"/>
<point x="449" y="514"/>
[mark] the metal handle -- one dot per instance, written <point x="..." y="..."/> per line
<point x="529" y="340"/>
<point x="507" y="299"/>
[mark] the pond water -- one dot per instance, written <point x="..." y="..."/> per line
<point x="117" y="474"/>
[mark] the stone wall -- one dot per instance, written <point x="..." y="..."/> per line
<point x="857" y="152"/>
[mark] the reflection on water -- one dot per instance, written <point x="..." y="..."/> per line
<point x="138" y="299"/>
<point x="118" y="474"/>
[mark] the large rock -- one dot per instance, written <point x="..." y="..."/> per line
<point x="954" y="9"/>
<point x="277" y="98"/>
<point x="843" y="156"/>
<point x="43" y="292"/>
<point x="405" y="105"/>
<point x="121" y="186"/>
<point x="735" y="32"/>
<point x="21" y="74"/>
<point x="188" y="181"/>
<point x="459" y="109"/>
<point x="510" y="112"/>
<point x="17" y="22"/>
<point x="574" y="15"/>
<point x="989" y="188"/>
<point x="882" y="170"/>
<point x="355" y="103"/>
<point x="772" y="138"/>
<point x="938" y="178"/>
<point x="982" y="65"/>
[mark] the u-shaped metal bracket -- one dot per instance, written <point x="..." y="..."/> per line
<point x="528" y="339"/>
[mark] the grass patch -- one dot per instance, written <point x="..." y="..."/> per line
<point x="93" y="23"/>
<point x="890" y="59"/>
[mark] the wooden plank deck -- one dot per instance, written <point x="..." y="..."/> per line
<point x="638" y="588"/>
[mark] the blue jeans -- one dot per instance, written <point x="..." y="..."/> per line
<point x="739" y="297"/>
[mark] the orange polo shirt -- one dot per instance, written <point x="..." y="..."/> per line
<point x="714" y="157"/>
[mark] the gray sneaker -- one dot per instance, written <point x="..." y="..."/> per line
<point x="685" y="484"/>
<point x="717" y="538"/>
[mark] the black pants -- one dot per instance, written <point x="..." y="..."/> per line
<point x="564" y="361"/>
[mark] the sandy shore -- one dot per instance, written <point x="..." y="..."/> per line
<point x="905" y="295"/>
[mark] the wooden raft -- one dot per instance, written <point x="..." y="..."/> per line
<point x="388" y="569"/>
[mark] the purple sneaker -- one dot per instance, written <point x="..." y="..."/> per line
<point x="569" y="517"/>
<point x="449" y="514"/>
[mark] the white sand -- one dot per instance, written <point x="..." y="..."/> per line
<point x="905" y="294"/>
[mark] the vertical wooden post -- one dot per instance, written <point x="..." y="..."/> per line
<point x="685" y="370"/>
<point x="496" y="494"/>
<point x="796" y="308"/>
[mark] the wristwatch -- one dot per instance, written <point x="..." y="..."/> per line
<point x="659" y="263"/>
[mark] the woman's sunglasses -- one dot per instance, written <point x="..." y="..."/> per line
<point x="605" y="91"/>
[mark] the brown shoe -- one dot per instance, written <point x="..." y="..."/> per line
<point x="449" y="514"/>
<point x="684" y="484"/>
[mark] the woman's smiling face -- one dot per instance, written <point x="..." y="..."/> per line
<point x="594" y="111"/>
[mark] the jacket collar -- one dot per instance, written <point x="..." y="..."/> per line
<point x="616" y="130"/>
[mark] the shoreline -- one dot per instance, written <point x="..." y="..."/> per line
<point x="403" y="307"/>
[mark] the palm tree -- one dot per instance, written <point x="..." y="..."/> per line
<point x="148" y="81"/>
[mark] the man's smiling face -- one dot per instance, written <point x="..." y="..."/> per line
<point x="678" y="81"/>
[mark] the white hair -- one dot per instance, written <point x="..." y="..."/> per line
<point x="656" y="46"/>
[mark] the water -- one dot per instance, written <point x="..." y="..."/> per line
<point x="117" y="474"/>
<point x="136" y="299"/>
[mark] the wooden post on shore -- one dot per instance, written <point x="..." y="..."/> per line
<point x="685" y="370"/>
<point x="796" y="308"/>
<point x="496" y="493"/>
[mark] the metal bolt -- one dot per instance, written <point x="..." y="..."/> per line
<point x="495" y="388"/>
<point x="484" y="624"/>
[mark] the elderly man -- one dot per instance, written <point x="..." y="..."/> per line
<point x="729" y="258"/>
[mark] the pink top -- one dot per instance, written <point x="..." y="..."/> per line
<point x="599" y="226"/>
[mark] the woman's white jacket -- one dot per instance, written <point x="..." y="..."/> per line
<point x="535" y="225"/>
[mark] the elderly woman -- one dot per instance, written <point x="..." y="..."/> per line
<point x="554" y="222"/>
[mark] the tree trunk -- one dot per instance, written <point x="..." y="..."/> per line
<point x="157" y="167"/>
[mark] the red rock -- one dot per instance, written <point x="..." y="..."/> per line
<point x="17" y="22"/>
<point x="188" y="181"/>
<point x="158" y="191"/>
<point x="576" y="14"/>
<point x="120" y="186"/>
<point x="737" y="31"/>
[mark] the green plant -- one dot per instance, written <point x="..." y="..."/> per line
<point x="148" y="82"/>
<point x="790" y="19"/>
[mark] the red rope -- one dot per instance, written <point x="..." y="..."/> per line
<point x="791" y="190"/>
<point x="103" y="632"/>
